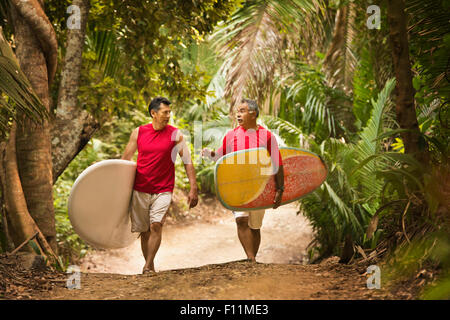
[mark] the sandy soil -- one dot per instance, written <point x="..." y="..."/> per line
<point x="237" y="280"/>
<point x="202" y="259"/>
<point x="284" y="237"/>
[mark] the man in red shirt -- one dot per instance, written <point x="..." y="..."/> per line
<point x="246" y="136"/>
<point x="158" y="144"/>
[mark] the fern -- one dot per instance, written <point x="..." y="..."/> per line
<point x="348" y="199"/>
<point x="321" y="104"/>
<point x="334" y="209"/>
<point x="369" y="146"/>
<point x="363" y="88"/>
<point x="428" y="34"/>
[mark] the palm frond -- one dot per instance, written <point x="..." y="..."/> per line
<point x="286" y="132"/>
<point x="252" y="43"/>
<point x="348" y="214"/>
<point x="341" y="59"/>
<point x="428" y="32"/>
<point x="364" y="87"/>
<point x="282" y="125"/>
<point x="214" y="104"/>
<point x="369" y="146"/>
<point x="333" y="209"/>
<point x="250" y="48"/>
<point x="16" y="93"/>
<point x="331" y="107"/>
<point x="108" y="54"/>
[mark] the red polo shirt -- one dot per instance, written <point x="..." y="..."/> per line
<point x="241" y="139"/>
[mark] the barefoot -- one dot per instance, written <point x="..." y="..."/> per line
<point x="148" y="271"/>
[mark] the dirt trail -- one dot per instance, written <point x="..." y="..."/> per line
<point x="237" y="280"/>
<point x="203" y="260"/>
<point x="284" y="237"/>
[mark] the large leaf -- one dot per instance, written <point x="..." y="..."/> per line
<point x="369" y="146"/>
<point x="252" y="42"/>
<point x="429" y="34"/>
<point x="108" y="54"/>
<point x="16" y="93"/>
<point x="347" y="212"/>
<point x="330" y="107"/>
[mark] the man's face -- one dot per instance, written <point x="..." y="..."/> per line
<point x="245" y="117"/>
<point x="162" y="116"/>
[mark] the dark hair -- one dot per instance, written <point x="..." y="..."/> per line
<point x="252" y="105"/>
<point x="155" y="104"/>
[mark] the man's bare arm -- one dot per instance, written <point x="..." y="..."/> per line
<point x="190" y="171"/>
<point x="279" y="177"/>
<point x="131" y="147"/>
<point x="279" y="183"/>
<point x="211" y="154"/>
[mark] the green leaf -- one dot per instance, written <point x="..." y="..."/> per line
<point x="390" y="133"/>
<point x="14" y="84"/>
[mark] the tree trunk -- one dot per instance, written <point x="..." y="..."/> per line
<point x="33" y="140"/>
<point x="37" y="21"/>
<point x="338" y="40"/>
<point x="8" y="244"/>
<point x="405" y="104"/>
<point x="69" y="138"/>
<point x="73" y="127"/>
<point x="340" y="62"/>
<point x="20" y="220"/>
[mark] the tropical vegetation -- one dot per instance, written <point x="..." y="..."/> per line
<point x="372" y="102"/>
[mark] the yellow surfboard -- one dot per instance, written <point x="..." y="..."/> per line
<point x="245" y="179"/>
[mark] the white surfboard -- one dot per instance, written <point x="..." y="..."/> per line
<point x="99" y="203"/>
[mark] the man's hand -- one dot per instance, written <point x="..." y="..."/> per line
<point x="279" y="183"/>
<point x="192" y="198"/>
<point x="208" y="153"/>
<point x="277" y="200"/>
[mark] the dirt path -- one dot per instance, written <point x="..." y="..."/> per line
<point x="202" y="261"/>
<point x="236" y="280"/>
<point x="285" y="236"/>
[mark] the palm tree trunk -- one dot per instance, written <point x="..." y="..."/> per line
<point x="405" y="104"/>
<point x="33" y="140"/>
<point x="338" y="40"/>
<point x="340" y="56"/>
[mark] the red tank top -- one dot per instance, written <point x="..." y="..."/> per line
<point x="155" y="169"/>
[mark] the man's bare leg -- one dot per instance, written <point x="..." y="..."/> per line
<point x="256" y="235"/>
<point x="144" y="240"/>
<point x="150" y="244"/>
<point x="246" y="238"/>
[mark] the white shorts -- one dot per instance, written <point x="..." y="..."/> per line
<point x="255" y="217"/>
<point x="146" y="208"/>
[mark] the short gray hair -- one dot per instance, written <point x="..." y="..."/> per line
<point x="252" y="105"/>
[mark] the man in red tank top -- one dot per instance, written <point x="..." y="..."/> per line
<point x="158" y="144"/>
<point x="246" y="136"/>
